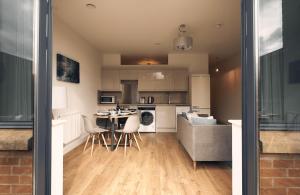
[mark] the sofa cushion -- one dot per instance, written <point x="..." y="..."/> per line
<point x="203" y="115"/>
<point x="184" y="115"/>
<point x="203" y="121"/>
<point x="190" y="115"/>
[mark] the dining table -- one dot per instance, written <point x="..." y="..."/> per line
<point x="112" y="118"/>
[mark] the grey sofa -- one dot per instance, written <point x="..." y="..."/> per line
<point x="205" y="142"/>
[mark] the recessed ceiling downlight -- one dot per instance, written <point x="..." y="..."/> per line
<point x="219" y="25"/>
<point x="90" y="6"/>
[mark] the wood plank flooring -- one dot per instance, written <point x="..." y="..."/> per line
<point x="161" y="167"/>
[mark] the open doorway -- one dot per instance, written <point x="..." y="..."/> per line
<point x="184" y="99"/>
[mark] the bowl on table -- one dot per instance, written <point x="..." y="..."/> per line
<point x="103" y="113"/>
<point x="124" y="113"/>
<point x="113" y="112"/>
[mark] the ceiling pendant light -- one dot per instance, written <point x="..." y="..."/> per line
<point x="183" y="42"/>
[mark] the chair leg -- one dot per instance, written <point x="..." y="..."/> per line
<point x="125" y="146"/>
<point x="103" y="138"/>
<point x="99" y="140"/>
<point x="119" y="141"/>
<point x="136" y="141"/>
<point x="130" y="139"/>
<point x="87" y="141"/>
<point x="93" y="140"/>
<point x="115" y="137"/>
<point x="140" y="137"/>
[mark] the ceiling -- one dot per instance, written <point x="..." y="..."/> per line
<point x="143" y="27"/>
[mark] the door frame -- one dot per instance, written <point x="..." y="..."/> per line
<point x="250" y="150"/>
<point x="42" y="97"/>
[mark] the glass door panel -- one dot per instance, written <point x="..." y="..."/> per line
<point x="16" y="96"/>
<point x="16" y="53"/>
<point x="279" y="96"/>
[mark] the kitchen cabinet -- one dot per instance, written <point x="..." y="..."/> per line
<point x="200" y="91"/>
<point x="111" y="80"/>
<point x="129" y="74"/>
<point x="180" y="80"/>
<point x="154" y="80"/>
<point x="161" y="80"/>
<point x="148" y="80"/>
<point x="145" y="81"/>
<point x="166" y="118"/>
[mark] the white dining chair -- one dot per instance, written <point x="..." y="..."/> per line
<point x="140" y="137"/>
<point x="131" y="127"/>
<point x="94" y="132"/>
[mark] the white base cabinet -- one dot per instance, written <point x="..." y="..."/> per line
<point x="166" y="118"/>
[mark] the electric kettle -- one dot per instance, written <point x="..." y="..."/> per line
<point x="150" y="100"/>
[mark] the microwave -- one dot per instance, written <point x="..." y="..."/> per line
<point x="107" y="99"/>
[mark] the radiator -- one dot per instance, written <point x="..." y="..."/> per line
<point x="72" y="128"/>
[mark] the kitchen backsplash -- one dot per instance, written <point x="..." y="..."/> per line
<point x="163" y="97"/>
<point x="159" y="97"/>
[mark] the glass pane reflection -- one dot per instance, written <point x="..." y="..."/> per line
<point x="16" y="46"/>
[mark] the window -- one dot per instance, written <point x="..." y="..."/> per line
<point x="16" y="53"/>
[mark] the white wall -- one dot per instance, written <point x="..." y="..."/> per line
<point x="82" y="97"/>
<point x="195" y="62"/>
<point x="111" y="59"/>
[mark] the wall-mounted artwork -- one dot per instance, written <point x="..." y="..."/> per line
<point x="67" y="69"/>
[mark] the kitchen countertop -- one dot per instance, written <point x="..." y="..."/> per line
<point x="158" y="104"/>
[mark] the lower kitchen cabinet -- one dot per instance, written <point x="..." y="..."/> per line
<point x="166" y="118"/>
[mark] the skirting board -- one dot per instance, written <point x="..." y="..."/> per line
<point x="164" y="130"/>
<point x="69" y="147"/>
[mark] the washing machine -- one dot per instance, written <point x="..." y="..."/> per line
<point x="147" y="117"/>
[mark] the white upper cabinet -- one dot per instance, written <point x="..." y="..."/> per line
<point x="200" y="91"/>
<point x="148" y="80"/>
<point x="129" y="74"/>
<point x="163" y="80"/>
<point x="111" y="80"/>
<point x="180" y="80"/>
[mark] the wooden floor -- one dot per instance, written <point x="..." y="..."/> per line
<point x="161" y="167"/>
